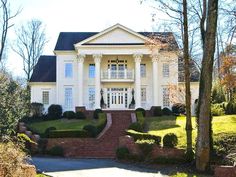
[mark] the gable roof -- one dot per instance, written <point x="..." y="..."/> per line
<point x="45" y="69"/>
<point x="66" y="40"/>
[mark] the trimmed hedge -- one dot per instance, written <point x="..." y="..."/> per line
<point x="96" y="112"/>
<point x="69" y="115"/>
<point x="217" y="110"/>
<point x="80" y="115"/>
<point x="140" y="118"/>
<point x="91" y="129"/>
<point x="54" y="112"/>
<point x="141" y="110"/>
<point x="157" y="111"/>
<point x="69" y="134"/>
<point x="48" y="130"/>
<point x="166" y="111"/>
<point x="170" y="140"/>
<point x="144" y="136"/>
<point x="230" y="108"/>
<point x="136" y="126"/>
<point x="102" y="121"/>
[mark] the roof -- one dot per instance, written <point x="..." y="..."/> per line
<point x="45" y="69"/>
<point x="66" y="40"/>
<point x="194" y="72"/>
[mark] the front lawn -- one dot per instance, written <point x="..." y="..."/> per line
<point x="61" y="124"/>
<point x="170" y="124"/>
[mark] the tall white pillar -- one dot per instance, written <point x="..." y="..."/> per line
<point x="80" y="78"/>
<point x="137" y="91"/>
<point x="155" y="80"/>
<point x="97" y="61"/>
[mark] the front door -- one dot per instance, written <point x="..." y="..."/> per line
<point x="117" y="98"/>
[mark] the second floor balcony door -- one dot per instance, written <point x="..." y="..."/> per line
<point x="118" y="70"/>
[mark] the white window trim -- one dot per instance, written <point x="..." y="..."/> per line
<point x="48" y="99"/>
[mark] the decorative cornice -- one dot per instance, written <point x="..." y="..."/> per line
<point x="97" y="58"/>
<point x="137" y="57"/>
<point x="80" y="58"/>
<point x="155" y="57"/>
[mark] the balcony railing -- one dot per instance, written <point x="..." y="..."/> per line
<point x="117" y="75"/>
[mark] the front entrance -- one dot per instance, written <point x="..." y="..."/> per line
<point x="117" y="98"/>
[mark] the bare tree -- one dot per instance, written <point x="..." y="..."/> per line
<point x="29" y="45"/>
<point x="5" y="24"/>
<point x="208" y="26"/>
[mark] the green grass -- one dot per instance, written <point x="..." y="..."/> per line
<point x="171" y="124"/>
<point x="188" y="175"/>
<point x="61" y="124"/>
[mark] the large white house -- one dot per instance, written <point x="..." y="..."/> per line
<point x="109" y="69"/>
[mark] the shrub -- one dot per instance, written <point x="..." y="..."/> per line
<point x="48" y="130"/>
<point x="140" y="118"/>
<point x="136" y="126"/>
<point x="166" y="111"/>
<point x="96" y="112"/>
<point x="27" y="119"/>
<point x="231" y="108"/>
<point x="91" y="129"/>
<point x="170" y="140"/>
<point x="217" y="110"/>
<point x="54" y="111"/>
<point x="178" y="108"/>
<point x="102" y="121"/>
<point x="69" y="115"/>
<point x="141" y="110"/>
<point x="145" y="146"/>
<point x="145" y="136"/>
<point x="68" y="134"/>
<point x="36" y="109"/>
<point x="122" y="153"/>
<point x="80" y="115"/>
<point x="157" y="111"/>
<point x="56" y="151"/>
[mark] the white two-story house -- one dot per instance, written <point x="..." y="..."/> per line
<point x="109" y="69"/>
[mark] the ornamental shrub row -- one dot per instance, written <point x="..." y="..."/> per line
<point x="68" y="134"/>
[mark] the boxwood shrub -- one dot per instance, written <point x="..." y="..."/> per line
<point x="136" y="126"/>
<point x="157" y="111"/>
<point x="122" y="153"/>
<point x="217" y="110"/>
<point x="91" y="129"/>
<point x="145" y="145"/>
<point x="141" y="110"/>
<point x="47" y="131"/>
<point x="96" y="112"/>
<point x="69" y="115"/>
<point x="166" y="111"/>
<point x="80" y="115"/>
<point x="102" y="121"/>
<point x="170" y="140"/>
<point x="140" y="118"/>
<point x="68" y="134"/>
<point x="178" y="108"/>
<point x="54" y="112"/>
<point x="144" y="136"/>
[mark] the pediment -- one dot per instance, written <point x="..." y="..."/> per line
<point x="116" y="34"/>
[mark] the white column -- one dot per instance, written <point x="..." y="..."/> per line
<point x="97" y="61"/>
<point x="80" y="78"/>
<point x="156" y="90"/>
<point x="137" y="91"/>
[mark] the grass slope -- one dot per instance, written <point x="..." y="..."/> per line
<point x="171" y="124"/>
<point x="61" y="124"/>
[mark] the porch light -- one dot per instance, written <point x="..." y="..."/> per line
<point x="101" y="92"/>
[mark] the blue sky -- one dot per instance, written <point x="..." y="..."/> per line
<point x="78" y="15"/>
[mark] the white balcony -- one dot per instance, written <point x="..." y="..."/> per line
<point x="117" y="75"/>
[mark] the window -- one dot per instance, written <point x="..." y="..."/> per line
<point x="91" y="92"/>
<point x="143" y="95"/>
<point x="91" y="70"/>
<point x="68" y="98"/>
<point x="166" y="70"/>
<point x="143" y="70"/>
<point x="166" y="97"/>
<point x="45" y="97"/>
<point x="68" y="70"/>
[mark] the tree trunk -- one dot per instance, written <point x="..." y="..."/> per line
<point x="188" y="126"/>
<point x="204" y="110"/>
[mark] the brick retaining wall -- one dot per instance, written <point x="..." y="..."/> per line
<point x="225" y="171"/>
